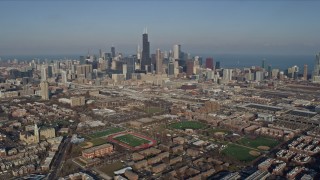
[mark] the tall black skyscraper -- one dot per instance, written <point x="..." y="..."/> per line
<point x="113" y="51"/>
<point x="145" y="60"/>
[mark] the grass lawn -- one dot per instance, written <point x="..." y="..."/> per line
<point x="238" y="152"/>
<point x="152" y="109"/>
<point x="131" y="140"/>
<point x="110" y="168"/>
<point x="105" y="132"/>
<point x="259" y="141"/>
<point x="95" y="142"/>
<point x="98" y="141"/>
<point x="187" y="125"/>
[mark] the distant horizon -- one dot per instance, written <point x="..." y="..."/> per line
<point x="237" y="27"/>
<point x="203" y="55"/>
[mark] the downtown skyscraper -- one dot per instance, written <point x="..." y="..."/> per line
<point x="158" y="62"/>
<point x="145" y="60"/>
<point x="316" y="71"/>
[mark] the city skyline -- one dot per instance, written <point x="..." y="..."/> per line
<point x="32" y="28"/>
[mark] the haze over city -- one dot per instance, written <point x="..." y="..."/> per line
<point x="205" y="27"/>
<point x="159" y="90"/>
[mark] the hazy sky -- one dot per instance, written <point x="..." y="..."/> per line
<point x="246" y="27"/>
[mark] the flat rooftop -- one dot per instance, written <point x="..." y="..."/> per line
<point x="263" y="107"/>
<point x="302" y="113"/>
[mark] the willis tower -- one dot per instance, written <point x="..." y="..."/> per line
<point x="145" y="60"/>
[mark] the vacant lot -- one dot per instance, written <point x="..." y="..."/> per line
<point x="187" y="125"/>
<point x="110" y="168"/>
<point x="131" y="140"/>
<point x="258" y="141"/>
<point x="238" y="152"/>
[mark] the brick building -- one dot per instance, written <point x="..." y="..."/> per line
<point x="97" y="151"/>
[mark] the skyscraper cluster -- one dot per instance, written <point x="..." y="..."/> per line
<point x="173" y="63"/>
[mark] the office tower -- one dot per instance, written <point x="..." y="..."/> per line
<point x="33" y="64"/>
<point x="137" y="66"/>
<point x="58" y="64"/>
<point x="63" y="77"/>
<point x="84" y="69"/>
<point x="218" y="65"/>
<point x="113" y="52"/>
<point x="247" y="74"/>
<point x="102" y="64"/>
<point x="153" y="58"/>
<point x="316" y="71"/>
<point x="152" y="68"/>
<point x="227" y="75"/>
<point x="176" y="67"/>
<point x="100" y="53"/>
<point x="209" y="63"/>
<point x="130" y="61"/>
<point x="269" y="71"/>
<point x="190" y="65"/>
<point x="170" y="68"/>
<point x="165" y="55"/>
<point x="108" y="58"/>
<point x="176" y="51"/>
<point x="50" y="71"/>
<point x="200" y="61"/>
<point x="275" y="73"/>
<point x="94" y="74"/>
<point x="43" y="73"/>
<point x="124" y="69"/>
<point x="44" y="90"/>
<point x="114" y="65"/>
<point x="139" y="53"/>
<point x="73" y="68"/>
<point x="259" y="76"/>
<point x="158" y="62"/>
<point x="263" y="65"/>
<point x="196" y="66"/>
<point x="145" y="61"/>
<point x="82" y="59"/>
<point x="184" y="56"/>
<point x="69" y="63"/>
<point x="293" y="72"/>
<point x="170" y="55"/>
<point x="305" y="72"/>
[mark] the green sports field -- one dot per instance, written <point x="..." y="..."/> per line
<point x="131" y="140"/>
<point x="259" y="141"/>
<point x="238" y="152"/>
<point x="105" y="132"/>
<point x="187" y="125"/>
